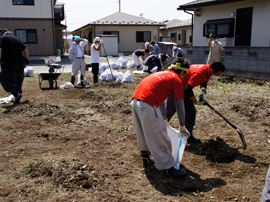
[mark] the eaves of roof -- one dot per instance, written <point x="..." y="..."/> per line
<point x="203" y="3"/>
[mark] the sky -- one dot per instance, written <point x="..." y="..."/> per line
<point x="81" y="12"/>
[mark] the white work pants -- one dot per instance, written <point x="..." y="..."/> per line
<point x="152" y="134"/>
<point x="78" y="65"/>
<point x="136" y="59"/>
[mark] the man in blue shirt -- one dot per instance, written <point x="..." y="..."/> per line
<point x="156" y="48"/>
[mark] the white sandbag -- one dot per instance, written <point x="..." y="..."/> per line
<point x="138" y="72"/>
<point x="120" y="76"/>
<point x="30" y="71"/>
<point x="130" y="64"/>
<point x="67" y="85"/>
<point x="103" y="75"/>
<point x="103" y="66"/>
<point x="25" y="72"/>
<point x="127" y="77"/>
<point x="124" y="66"/>
<point x="7" y="99"/>
<point x="113" y="65"/>
<point x="99" y="71"/>
<point x="179" y="142"/>
<point x="145" y="68"/>
<point x="122" y="61"/>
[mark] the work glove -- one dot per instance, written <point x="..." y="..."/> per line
<point x="101" y="41"/>
<point x="203" y="102"/>
<point x="211" y="36"/>
<point x="222" y="59"/>
<point x="26" y="61"/>
<point x="201" y="97"/>
<point x="183" y="130"/>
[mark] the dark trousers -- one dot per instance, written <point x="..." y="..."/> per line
<point x="12" y="78"/>
<point x="190" y="110"/>
<point x="95" y="70"/>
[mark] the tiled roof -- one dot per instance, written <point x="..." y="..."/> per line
<point x="121" y="18"/>
<point x="202" y="3"/>
<point x="177" y="23"/>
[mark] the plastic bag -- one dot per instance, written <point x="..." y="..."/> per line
<point x="127" y="77"/>
<point x="120" y="76"/>
<point x="179" y="142"/>
<point x="67" y="85"/>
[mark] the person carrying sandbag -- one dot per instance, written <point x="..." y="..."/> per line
<point x="148" y="111"/>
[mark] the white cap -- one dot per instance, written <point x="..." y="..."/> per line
<point x="175" y="48"/>
<point x="96" y="39"/>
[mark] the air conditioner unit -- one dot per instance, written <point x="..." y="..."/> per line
<point x="226" y="41"/>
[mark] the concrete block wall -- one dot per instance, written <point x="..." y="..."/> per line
<point x="248" y="62"/>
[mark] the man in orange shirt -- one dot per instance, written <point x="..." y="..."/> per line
<point x="197" y="75"/>
<point x="148" y="111"/>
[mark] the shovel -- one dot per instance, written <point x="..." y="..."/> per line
<point x="238" y="129"/>
<point x="107" y="58"/>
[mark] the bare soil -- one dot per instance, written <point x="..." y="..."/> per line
<point x="80" y="145"/>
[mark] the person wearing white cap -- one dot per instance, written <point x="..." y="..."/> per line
<point x="178" y="52"/>
<point x="95" y="47"/>
<point x="76" y="54"/>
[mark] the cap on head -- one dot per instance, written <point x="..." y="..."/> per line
<point x="96" y="39"/>
<point x="175" y="48"/>
<point x="77" y="38"/>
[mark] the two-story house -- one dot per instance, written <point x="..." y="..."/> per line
<point x="36" y="23"/>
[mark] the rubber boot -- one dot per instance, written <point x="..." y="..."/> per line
<point x="172" y="172"/>
<point x="191" y="138"/>
<point x="72" y="80"/>
<point x="147" y="159"/>
<point x="82" y="81"/>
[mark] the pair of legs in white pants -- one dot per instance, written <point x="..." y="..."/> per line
<point x="152" y="134"/>
<point x="78" y="65"/>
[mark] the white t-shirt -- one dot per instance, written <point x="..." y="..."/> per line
<point x="94" y="54"/>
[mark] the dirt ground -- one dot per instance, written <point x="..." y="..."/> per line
<point x="80" y="145"/>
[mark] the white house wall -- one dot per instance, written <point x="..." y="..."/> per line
<point x="41" y="9"/>
<point x="260" y="21"/>
<point x="179" y="30"/>
<point x="127" y="36"/>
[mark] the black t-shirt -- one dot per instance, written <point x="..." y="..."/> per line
<point x="139" y="52"/>
<point x="12" y="49"/>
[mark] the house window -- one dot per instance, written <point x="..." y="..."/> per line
<point x="27" y="35"/>
<point x="173" y="36"/>
<point x="222" y="27"/>
<point x="23" y="2"/>
<point x="116" y="33"/>
<point x="179" y="37"/>
<point x="143" y="36"/>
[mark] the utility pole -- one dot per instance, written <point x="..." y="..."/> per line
<point x="119" y="5"/>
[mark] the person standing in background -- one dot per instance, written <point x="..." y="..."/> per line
<point x="95" y="47"/>
<point x="76" y="54"/>
<point x="14" y="57"/>
<point x="216" y="49"/>
<point x="156" y="48"/>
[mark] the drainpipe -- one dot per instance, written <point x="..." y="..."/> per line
<point x="53" y="27"/>
<point x="191" y="26"/>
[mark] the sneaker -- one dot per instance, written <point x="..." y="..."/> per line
<point x="147" y="159"/>
<point x="172" y="172"/>
<point x="18" y="99"/>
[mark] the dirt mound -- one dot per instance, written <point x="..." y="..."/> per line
<point x="255" y="108"/>
<point x="236" y="79"/>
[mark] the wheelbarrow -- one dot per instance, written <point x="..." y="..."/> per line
<point x="54" y="72"/>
